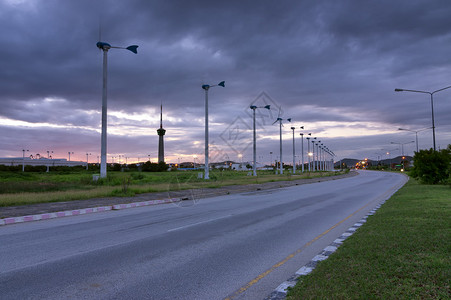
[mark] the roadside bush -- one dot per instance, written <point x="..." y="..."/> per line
<point x="153" y="167"/>
<point x="432" y="167"/>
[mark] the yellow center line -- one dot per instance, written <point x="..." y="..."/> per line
<point x="286" y="259"/>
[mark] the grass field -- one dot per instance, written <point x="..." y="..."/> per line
<point x="402" y="252"/>
<point x="19" y="188"/>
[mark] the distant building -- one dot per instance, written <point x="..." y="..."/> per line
<point x="19" y="161"/>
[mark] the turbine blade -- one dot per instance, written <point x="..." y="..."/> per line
<point x="133" y="48"/>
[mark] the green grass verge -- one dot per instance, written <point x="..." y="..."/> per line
<point x="402" y="252"/>
<point x="20" y="188"/>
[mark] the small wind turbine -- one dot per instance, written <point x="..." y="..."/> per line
<point x="103" y="149"/>
<point x="279" y="119"/>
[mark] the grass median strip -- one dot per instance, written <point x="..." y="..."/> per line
<point x="402" y="252"/>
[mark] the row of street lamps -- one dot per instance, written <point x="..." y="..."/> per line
<point x="133" y="48"/>
<point x="432" y="108"/>
<point x="103" y="172"/>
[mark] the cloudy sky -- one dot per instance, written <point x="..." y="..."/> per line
<point x="331" y="66"/>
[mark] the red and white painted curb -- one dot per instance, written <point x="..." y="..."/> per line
<point x="76" y="212"/>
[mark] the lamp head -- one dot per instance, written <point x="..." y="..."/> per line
<point x="205" y="87"/>
<point x="222" y="83"/>
<point x="289" y="119"/>
<point x="302" y="127"/>
<point x="399" y="90"/>
<point x="253" y="107"/>
<point x="292" y="128"/>
<point x="133" y="48"/>
<point x="103" y="46"/>
<point x="267" y="106"/>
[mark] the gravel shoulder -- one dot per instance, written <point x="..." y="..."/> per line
<point x="33" y="209"/>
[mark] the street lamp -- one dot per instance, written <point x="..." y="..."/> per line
<point x="416" y="133"/>
<point x="270" y="158"/>
<point x="308" y="153"/>
<point x="23" y="159"/>
<point x="313" y="155"/>
<point x="432" y="106"/>
<point x="253" y="107"/>
<point x="206" y="87"/>
<point x="302" y="149"/>
<point x="402" y="146"/>
<point x="87" y="160"/>
<point x="402" y="151"/>
<point x="318" y="163"/>
<point x="294" y="153"/>
<point x="280" y="132"/>
<point x="321" y="157"/>
<point x="48" y="157"/>
<point x="70" y="154"/>
<point x="105" y="47"/>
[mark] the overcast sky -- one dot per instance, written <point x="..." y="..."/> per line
<point x="331" y="66"/>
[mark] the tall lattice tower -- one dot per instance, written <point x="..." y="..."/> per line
<point x="161" y="133"/>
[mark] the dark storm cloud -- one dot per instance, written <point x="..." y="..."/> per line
<point x="340" y="59"/>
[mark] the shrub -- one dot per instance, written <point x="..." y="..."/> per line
<point x="432" y="167"/>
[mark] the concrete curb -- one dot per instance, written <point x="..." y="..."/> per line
<point x="281" y="291"/>
<point x="76" y="212"/>
<point x="213" y="193"/>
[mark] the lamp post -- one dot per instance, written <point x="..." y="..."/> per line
<point x="70" y="154"/>
<point x="23" y="159"/>
<point x="87" y="160"/>
<point x="280" y="133"/>
<point x="48" y="157"/>
<point x="315" y="156"/>
<point x="206" y="87"/>
<point x="270" y="157"/>
<point x="105" y="47"/>
<point x="321" y="157"/>
<point x="402" y="146"/>
<point x="432" y="106"/>
<point x="253" y="107"/>
<point x="416" y="133"/>
<point x="318" y="163"/>
<point x="294" y="153"/>
<point x="302" y="149"/>
<point x="308" y="152"/>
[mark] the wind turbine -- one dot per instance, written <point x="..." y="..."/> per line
<point x="105" y="47"/>
<point x="279" y="119"/>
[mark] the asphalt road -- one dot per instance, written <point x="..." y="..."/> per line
<point x="236" y="246"/>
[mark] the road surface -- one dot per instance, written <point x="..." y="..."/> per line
<point x="237" y="246"/>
